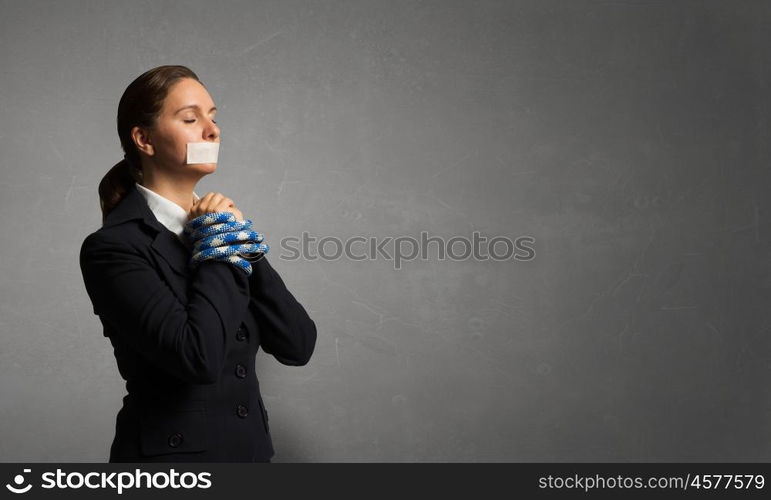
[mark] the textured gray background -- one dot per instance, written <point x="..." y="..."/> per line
<point x="630" y="139"/>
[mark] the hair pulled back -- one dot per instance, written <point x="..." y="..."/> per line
<point x="140" y="105"/>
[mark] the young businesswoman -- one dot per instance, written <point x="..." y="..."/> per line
<point x="183" y="287"/>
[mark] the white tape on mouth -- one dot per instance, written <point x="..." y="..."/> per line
<point x="202" y="152"/>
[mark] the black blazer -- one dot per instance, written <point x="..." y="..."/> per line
<point x="185" y="341"/>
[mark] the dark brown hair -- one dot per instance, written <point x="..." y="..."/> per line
<point x="140" y="106"/>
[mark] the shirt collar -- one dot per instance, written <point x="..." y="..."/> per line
<point x="168" y="213"/>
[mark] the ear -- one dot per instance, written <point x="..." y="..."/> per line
<point x="143" y="141"/>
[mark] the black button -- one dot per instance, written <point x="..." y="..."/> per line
<point x="175" y="439"/>
<point x="240" y="371"/>
<point x="242" y="411"/>
<point x="241" y="334"/>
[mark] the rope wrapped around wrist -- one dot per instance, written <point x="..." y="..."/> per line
<point x="219" y="236"/>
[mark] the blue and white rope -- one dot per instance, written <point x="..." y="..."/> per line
<point x="219" y="236"/>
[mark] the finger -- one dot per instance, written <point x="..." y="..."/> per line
<point x="202" y="201"/>
<point x="207" y="196"/>
<point x="213" y="202"/>
<point x="223" y="206"/>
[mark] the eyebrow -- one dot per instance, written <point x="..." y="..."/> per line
<point x="214" y="108"/>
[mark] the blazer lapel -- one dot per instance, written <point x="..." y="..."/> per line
<point x="171" y="249"/>
<point x="165" y="243"/>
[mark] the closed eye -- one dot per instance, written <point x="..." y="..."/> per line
<point x="193" y="120"/>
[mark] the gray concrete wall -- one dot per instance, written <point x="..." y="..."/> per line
<point x="629" y="140"/>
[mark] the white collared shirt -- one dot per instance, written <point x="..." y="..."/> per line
<point x="166" y="211"/>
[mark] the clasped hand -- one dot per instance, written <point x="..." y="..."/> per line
<point x="218" y="231"/>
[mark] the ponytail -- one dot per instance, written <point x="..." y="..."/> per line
<point x="116" y="183"/>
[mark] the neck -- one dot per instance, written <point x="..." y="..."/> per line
<point x="180" y="191"/>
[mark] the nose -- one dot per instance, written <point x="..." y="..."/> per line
<point x="211" y="131"/>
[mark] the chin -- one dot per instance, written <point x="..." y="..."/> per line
<point x="205" y="168"/>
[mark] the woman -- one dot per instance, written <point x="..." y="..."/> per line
<point x="185" y="322"/>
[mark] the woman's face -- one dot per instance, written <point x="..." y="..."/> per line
<point x="187" y="115"/>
